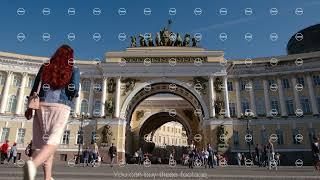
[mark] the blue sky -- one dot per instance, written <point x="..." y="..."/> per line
<point x="109" y="24"/>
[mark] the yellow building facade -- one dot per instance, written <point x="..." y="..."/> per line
<point x="282" y="93"/>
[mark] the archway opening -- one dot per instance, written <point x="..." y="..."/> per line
<point x="160" y="124"/>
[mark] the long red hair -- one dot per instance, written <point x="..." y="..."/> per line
<point x="57" y="73"/>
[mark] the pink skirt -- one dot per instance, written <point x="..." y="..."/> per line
<point x="49" y="123"/>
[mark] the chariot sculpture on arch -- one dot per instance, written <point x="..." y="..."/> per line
<point x="163" y="38"/>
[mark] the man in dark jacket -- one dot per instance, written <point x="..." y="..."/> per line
<point x="316" y="152"/>
<point x="112" y="153"/>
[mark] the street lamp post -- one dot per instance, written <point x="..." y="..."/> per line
<point x="80" y="143"/>
<point x="247" y="116"/>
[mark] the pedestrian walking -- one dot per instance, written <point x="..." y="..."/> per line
<point x="112" y="154"/>
<point x="191" y="154"/>
<point x="205" y="157"/>
<point x="85" y="156"/>
<point x="13" y="153"/>
<point x="210" y="157"/>
<point x="51" y="99"/>
<point x="239" y="158"/>
<point x="28" y="151"/>
<point x="140" y="156"/>
<point x="270" y="153"/>
<point x="315" y="147"/>
<point x="4" y="151"/>
<point x="258" y="152"/>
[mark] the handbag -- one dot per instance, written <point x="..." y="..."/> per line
<point x="34" y="100"/>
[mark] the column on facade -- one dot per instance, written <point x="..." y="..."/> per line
<point x="21" y="93"/>
<point x="91" y="96"/>
<point x="312" y="95"/>
<point x="226" y="96"/>
<point x="238" y="97"/>
<point x="78" y="102"/>
<point x="5" y="92"/>
<point x="266" y="97"/>
<point x="103" y="95"/>
<point x="252" y="99"/>
<point x="281" y="98"/>
<point x="212" y="97"/>
<point x="295" y="93"/>
<point x="117" y="97"/>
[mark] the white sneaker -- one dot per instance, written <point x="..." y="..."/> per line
<point x="30" y="171"/>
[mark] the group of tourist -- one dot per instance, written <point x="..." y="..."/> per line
<point x="205" y="157"/>
<point x="263" y="156"/>
<point x="91" y="155"/>
<point x="8" y="153"/>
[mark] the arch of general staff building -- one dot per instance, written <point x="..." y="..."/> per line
<point x="281" y="93"/>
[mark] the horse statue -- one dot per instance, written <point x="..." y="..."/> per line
<point x="142" y="41"/>
<point x="186" y="41"/>
<point x="178" y="40"/>
<point x="158" y="40"/>
<point x="150" y="41"/>
<point x="194" y="42"/>
<point x="133" y="41"/>
<point x="165" y="34"/>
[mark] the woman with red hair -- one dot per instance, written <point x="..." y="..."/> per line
<point x="56" y="84"/>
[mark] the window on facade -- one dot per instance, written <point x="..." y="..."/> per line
<point x="80" y="137"/>
<point x="260" y="106"/>
<point x="4" y="134"/>
<point x="93" y="137"/>
<point x="97" y="106"/>
<point x="235" y="137"/>
<point x="264" y="136"/>
<point x="245" y="106"/>
<point x="84" y="106"/>
<point x="312" y="134"/>
<point x="230" y="86"/>
<point x="290" y="107"/>
<point x="285" y="83"/>
<point x="232" y="108"/>
<point x="159" y="139"/>
<point x="275" y="105"/>
<point x="12" y="104"/>
<point x="16" y="81"/>
<point x="300" y="80"/>
<point x="305" y="105"/>
<point x="316" y="80"/>
<point x="98" y="87"/>
<point x="66" y="137"/>
<point x="164" y="140"/>
<point x="295" y="132"/>
<point x="30" y="82"/>
<point x="243" y="85"/>
<point x="257" y="85"/>
<point x="279" y="133"/>
<point x="21" y="135"/>
<point x="85" y="85"/>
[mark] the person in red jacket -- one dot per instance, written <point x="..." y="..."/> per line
<point x="4" y="151"/>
